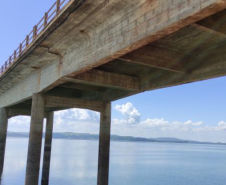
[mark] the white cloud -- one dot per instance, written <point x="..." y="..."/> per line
<point x="130" y="112"/>
<point x="78" y="114"/>
<point x="222" y="125"/>
<point x="76" y="120"/>
<point x="19" y="124"/>
<point x="85" y="121"/>
<point x="155" y="127"/>
<point x="154" y="123"/>
<point x="189" y="122"/>
<point x="71" y="120"/>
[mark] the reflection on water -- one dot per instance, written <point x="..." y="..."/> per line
<point x="75" y="162"/>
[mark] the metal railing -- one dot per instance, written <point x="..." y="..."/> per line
<point x="48" y="18"/>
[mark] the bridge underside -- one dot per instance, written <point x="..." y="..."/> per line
<point x="103" y="51"/>
<point x="195" y="52"/>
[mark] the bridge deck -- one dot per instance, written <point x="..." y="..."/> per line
<point x="106" y="50"/>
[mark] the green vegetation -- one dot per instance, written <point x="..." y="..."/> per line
<point x="84" y="136"/>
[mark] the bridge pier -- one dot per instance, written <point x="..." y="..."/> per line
<point x="35" y="140"/>
<point x="104" y="144"/>
<point x="47" y="149"/>
<point x="40" y="103"/>
<point x="3" y="134"/>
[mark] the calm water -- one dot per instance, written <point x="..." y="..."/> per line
<point x="75" y="162"/>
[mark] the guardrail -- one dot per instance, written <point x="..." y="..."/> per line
<point x="48" y="18"/>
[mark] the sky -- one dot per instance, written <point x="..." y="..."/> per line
<point x="195" y="111"/>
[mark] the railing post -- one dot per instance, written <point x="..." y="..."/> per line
<point x="45" y="19"/>
<point x="27" y="40"/>
<point x="34" y="32"/>
<point x="14" y="55"/>
<point x="10" y="60"/>
<point x="20" y="50"/>
<point x="58" y="6"/>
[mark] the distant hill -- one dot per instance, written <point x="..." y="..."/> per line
<point x="84" y="136"/>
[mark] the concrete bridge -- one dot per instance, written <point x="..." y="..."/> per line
<point x="87" y="53"/>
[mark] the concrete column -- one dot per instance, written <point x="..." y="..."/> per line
<point x="47" y="149"/>
<point x="3" y="133"/>
<point x="104" y="144"/>
<point x="35" y="140"/>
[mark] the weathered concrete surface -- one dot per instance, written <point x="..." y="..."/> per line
<point x="67" y="103"/>
<point x="104" y="144"/>
<point x="3" y="133"/>
<point x="98" y="32"/>
<point x="35" y="140"/>
<point x="18" y="112"/>
<point x="47" y="149"/>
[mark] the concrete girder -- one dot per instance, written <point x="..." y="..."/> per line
<point x="64" y="102"/>
<point x="106" y="79"/>
<point x="154" y="56"/>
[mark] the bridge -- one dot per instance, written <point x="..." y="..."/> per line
<point x="86" y="54"/>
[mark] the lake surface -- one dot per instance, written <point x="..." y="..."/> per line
<point x="132" y="163"/>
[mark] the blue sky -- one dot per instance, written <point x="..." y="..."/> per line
<point x="199" y="108"/>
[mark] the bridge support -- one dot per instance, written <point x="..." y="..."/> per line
<point x="47" y="149"/>
<point x="35" y="140"/>
<point x="3" y="133"/>
<point x="104" y="144"/>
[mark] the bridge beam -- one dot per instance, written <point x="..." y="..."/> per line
<point x="215" y="22"/>
<point x="18" y="112"/>
<point x="104" y="144"/>
<point x="106" y="79"/>
<point x="35" y="139"/>
<point x="209" y="30"/>
<point x="64" y="102"/>
<point x="47" y="149"/>
<point x="157" y="57"/>
<point x="3" y="133"/>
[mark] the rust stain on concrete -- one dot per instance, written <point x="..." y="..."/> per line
<point x="39" y="75"/>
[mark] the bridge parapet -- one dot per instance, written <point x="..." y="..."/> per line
<point x="50" y="16"/>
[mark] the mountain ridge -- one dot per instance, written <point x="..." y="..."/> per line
<point x="87" y="136"/>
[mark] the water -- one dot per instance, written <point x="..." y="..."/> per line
<point x="75" y="162"/>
